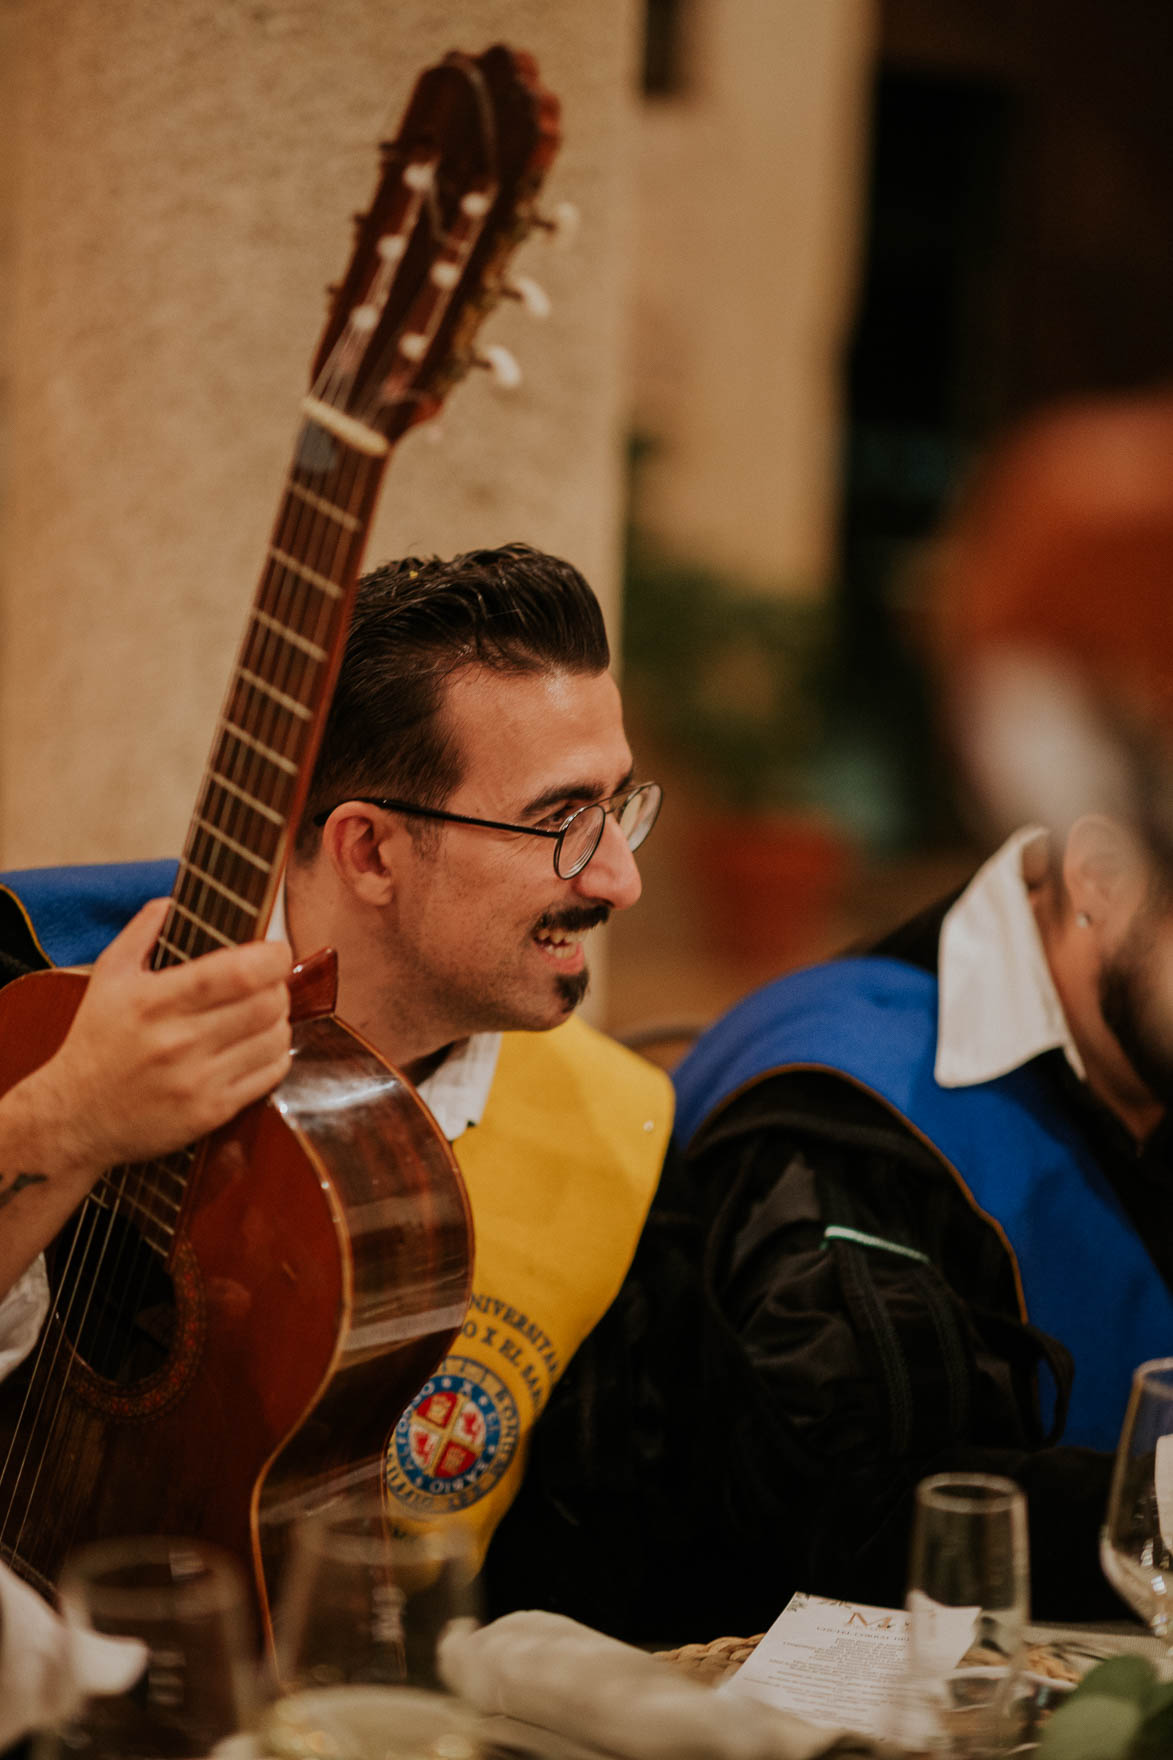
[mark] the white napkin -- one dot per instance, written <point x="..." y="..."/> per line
<point x="543" y="1669"/>
<point x="46" y="1667"/>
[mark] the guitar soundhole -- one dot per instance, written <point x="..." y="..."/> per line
<point x="114" y="1298"/>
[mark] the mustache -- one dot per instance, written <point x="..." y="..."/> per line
<point x="574" y="918"/>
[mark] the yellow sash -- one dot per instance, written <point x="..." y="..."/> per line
<point x="560" y="1173"/>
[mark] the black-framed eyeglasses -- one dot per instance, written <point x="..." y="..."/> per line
<point x="575" y="840"/>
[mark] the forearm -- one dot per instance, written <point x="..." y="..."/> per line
<point x="45" y="1170"/>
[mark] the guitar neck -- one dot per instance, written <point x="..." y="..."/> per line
<point x="271" y="722"/>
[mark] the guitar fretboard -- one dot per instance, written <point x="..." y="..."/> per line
<point x="268" y="728"/>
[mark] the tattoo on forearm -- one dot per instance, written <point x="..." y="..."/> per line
<point x="7" y="1193"/>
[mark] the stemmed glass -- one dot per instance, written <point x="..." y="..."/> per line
<point x="185" y="1602"/>
<point x="968" y="1592"/>
<point x="359" y="1618"/>
<point x="1136" y="1541"/>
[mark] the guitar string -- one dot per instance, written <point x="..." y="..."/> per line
<point x="310" y="546"/>
<point x="43" y="1344"/>
<point x="301" y="533"/>
<point x="88" y="1234"/>
<point x="145" y="1246"/>
<point x="85" y="1278"/>
<point x="294" y="662"/>
<point x="52" y="1344"/>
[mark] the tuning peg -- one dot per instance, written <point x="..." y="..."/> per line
<point x="502" y="366"/>
<point x="533" y="297"/>
<point x="562" y="223"/>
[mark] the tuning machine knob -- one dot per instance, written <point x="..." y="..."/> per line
<point x="561" y="223"/>
<point x="528" y="293"/>
<point x="500" y="364"/>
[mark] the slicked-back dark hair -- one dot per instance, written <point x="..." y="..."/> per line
<point x="416" y="623"/>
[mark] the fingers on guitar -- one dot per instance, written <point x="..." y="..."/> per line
<point x="230" y="975"/>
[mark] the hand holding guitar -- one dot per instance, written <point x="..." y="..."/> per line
<point x="152" y="1060"/>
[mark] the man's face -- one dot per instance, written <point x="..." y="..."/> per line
<point x="481" y="933"/>
<point x="1136" y="996"/>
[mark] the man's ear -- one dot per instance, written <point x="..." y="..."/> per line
<point x="359" y="842"/>
<point x="1104" y="872"/>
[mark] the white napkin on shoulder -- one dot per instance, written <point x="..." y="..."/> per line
<point x="46" y="1667"/>
<point x="543" y="1669"/>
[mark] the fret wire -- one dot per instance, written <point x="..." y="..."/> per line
<point x="143" y="1204"/>
<point x="288" y="635"/>
<point x="321" y="581"/>
<point x="262" y="781"/>
<point x="116" y="1202"/>
<point x="239" y="849"/>
<point x="287" y="678"/>
<point x="287" y="702"/>
<point x="249" y="799"/>
<point x="143" y="1201"/>
<point x="224" y="940"/>
<point x="244" y="904"/>
<point x="285" y="589"/>
<point x="321" y="505"/>
<point x="141" y="1189"/>
<point x="269" y="817"/>
<point x="219" y="918"/>
<point x="258" y="745"/>
<point x="172" y="927"/>
<point x="171" y="948"/>
<point x="207" y="854"/>
<point x="202" y="885"/>
<point x="316" y="543"/>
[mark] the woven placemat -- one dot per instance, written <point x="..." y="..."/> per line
<point x="710" y="1663"/>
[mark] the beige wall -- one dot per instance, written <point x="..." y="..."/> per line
<point x="749" y="203"/>
<point x="184" y="171"/>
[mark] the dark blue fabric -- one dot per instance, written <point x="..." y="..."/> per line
<point x="1086" y="1277"/>
<point x="77" y="911"/>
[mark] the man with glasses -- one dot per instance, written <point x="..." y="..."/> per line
<point x="472" y="816"/>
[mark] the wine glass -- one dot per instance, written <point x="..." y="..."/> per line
<point x="358" y="1621"/>
<point x="186" y="1603"/>
<point x="967" y="1602"/>
<point x="1136" y="1541"/>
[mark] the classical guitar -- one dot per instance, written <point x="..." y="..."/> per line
<point x="237" y="1327"/>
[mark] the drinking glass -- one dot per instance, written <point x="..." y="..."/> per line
<point x="967" y="1603"/>
<point x="1136" y="1541"/>
<point x="186" y="1602"/>
<point x="358" y="1621"/>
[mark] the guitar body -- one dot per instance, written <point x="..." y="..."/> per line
<point x="319" y="1271"/>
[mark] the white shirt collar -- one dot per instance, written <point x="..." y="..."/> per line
<point x="998" y="1002"/>
<point x="457" y="1091"/>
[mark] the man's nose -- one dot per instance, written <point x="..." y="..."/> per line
<point x="611" y="876"/>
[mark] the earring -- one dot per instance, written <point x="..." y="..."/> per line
<point x="1082" y="920"/>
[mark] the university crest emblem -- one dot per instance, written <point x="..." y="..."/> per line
<point x="455" y="1440"/>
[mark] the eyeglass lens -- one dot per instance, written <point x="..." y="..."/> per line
<point x="582" y="836"/>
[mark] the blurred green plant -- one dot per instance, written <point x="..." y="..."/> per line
<point x="732" y="680"/>
<point x="1119" y="1711"/>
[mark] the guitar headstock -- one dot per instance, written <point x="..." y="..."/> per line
<point x="456" y="194"/>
